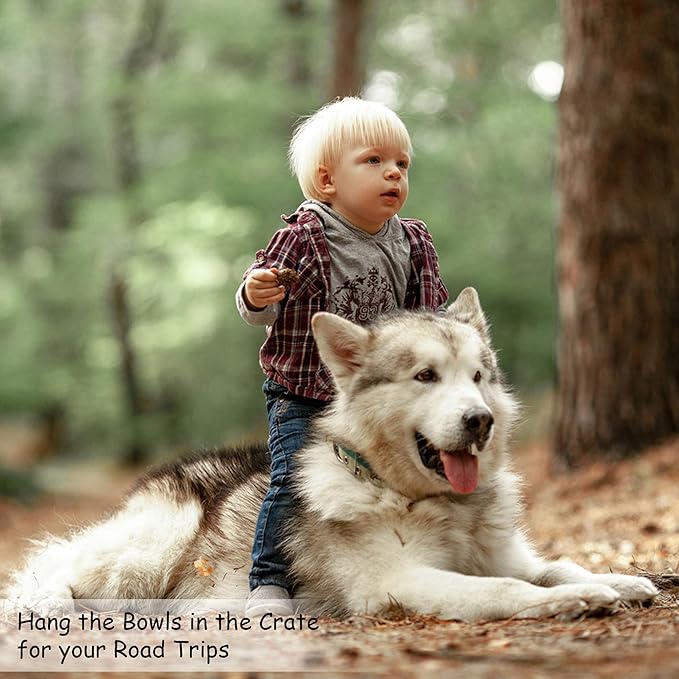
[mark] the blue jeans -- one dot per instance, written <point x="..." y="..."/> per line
<point x="289" y="418"/>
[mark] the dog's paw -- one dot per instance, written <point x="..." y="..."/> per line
<point x="631" y="588"/>
<point x="568" y="602"/>
<point x="47" y="607"/>
<point x="46" y="601"/>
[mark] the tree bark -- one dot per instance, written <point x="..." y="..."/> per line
<point x="619" y="229"/>
<point x="298" y="13"/>
<point x="348" y="70"/>
<point x="137" y="59"/>
<point x="136" y="451"/>
<point x="63" y="181"/>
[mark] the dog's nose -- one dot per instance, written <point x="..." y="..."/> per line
<point x="478" y="423"/>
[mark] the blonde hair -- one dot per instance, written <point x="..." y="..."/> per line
<point x="322" y="137"/>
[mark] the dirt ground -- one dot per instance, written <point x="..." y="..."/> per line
<point x="622" y="517"/>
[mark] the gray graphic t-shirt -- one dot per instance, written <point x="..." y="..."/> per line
<point x="368" y="273"/>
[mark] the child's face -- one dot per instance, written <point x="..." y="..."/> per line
<point x="368" y="185"/>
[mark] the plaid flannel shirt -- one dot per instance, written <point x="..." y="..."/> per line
<point x="289" y="355"/>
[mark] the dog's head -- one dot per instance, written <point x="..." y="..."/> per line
<point x="420" y="396"/>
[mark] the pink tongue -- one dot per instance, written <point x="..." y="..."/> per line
<point x="462" y="471"/>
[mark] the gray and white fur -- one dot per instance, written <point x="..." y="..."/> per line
<point x="435" y="526"/>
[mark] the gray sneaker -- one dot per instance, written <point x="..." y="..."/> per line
<point x="269" y="599"/>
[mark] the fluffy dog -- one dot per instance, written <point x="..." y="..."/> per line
<point x="405" y="494"/>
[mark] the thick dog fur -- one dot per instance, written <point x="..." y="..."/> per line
<point x="436" y="532"/>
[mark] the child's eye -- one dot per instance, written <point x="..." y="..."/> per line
<point x="373" y="160"/>
<point x="403" y="164"/>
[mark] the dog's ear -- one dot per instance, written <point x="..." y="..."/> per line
<point x="341" y="344"/>
<point x="467" y="309"/>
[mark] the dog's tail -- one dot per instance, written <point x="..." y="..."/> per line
<point x="109" y="560"/>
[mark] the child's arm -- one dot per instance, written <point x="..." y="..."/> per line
<point x="430" y="272"/>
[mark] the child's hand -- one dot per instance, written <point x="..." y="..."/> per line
<point x="261" y="289"/>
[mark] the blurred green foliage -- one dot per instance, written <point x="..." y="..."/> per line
<point x="213" y="113"/>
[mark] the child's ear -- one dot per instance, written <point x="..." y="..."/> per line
<point x="326" y="184"/>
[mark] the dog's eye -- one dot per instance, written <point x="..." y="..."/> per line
<point x="477" y="376"/>
<point x="427" y="375"/>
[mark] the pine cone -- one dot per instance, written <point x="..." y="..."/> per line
<point x="287" y="277"/>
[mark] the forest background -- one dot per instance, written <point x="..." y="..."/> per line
<point x="143" y="162"/>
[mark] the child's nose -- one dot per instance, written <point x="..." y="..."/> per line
<point x="393" y="171"/>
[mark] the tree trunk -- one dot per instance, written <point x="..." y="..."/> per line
<point x="63" y="181"/>
<point x="298" y="13"/>
<point x="348" y="70"/>
<point x="137" y="59"/>
<point x="619" y="229"/>
<point x="136" y="451"/>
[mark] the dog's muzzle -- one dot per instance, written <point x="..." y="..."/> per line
<point x="477" y="426"/>
<point x="429" y="454"/>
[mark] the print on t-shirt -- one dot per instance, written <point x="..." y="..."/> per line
<point x="363" y="298"/>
